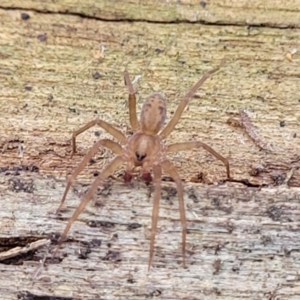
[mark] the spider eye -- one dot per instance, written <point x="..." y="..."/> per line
<point x="140" y="156"/>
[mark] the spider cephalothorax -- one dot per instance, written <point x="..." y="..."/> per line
<point x="145" y="149"/>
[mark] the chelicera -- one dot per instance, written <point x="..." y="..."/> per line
<point x="145" y="149"/>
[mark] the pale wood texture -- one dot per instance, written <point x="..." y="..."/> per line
<point x="49" y="86"/>
<point x="275" y="13"/>
<point x="242" y="243"/>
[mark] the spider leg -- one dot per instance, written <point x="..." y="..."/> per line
<point x="106" y="126"/>
<point x="168" y="167"/>
<point x="109" y="169"/>
<point x="190" y="145"/>
<point x="135" y="125"/>
<point x="157" y="195"/>
<point x="183" y="103"/>
<point x="113" y="146"/>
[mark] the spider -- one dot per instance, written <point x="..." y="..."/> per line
<point x="145" y="149"/>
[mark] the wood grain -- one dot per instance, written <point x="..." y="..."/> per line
<point x="64" y="66"/>
<point x="242" y="243"/>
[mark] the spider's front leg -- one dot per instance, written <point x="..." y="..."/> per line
<point x="168" y="167"/>
<point x="109" y="169"/>
<point x="157" y="195"/>
<point x="113" y="146"/>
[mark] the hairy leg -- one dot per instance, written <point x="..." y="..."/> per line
<point x="106" y="126"/>
<point x="183" y="103"/>
<point x="170" y="169"/>
<point x="112" y="166"/>
<point x="190" y="145"/>
<point x="157" y="195"/>
<point x="113" y="146"/>
<point x="135" y="125"/>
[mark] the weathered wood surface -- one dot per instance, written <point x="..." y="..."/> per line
<point x="275" y="13"/>
<point x="243" y="243"/>
<point x="49" y="87"/>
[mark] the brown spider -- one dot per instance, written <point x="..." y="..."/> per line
<point x="146" y="149"/>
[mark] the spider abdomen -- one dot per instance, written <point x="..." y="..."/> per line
<point x="153" y="114"/>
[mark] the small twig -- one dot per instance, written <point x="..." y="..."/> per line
<point x="20" y="150"/>
<point x="21" y="250"/>
<point x="103" y="47"/>
<point x="246" y="123"/>
<point x="136" y="78"/>
<point x="289" y="175"/>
